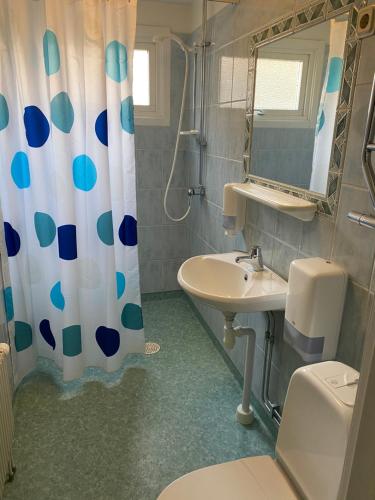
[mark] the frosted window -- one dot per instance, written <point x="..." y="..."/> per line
<point x="141" y="77"/>
<point x="278" y="84"/>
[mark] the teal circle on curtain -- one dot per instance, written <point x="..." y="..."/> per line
<point x="84" y="173"/>
<point x="321" y="121"/>
<point x="116" y="61"/>
<point x="127" y="115"/>
<point x="23" y="335"/>
<point x="4" y="112"/>
<point x="45" y="229"/>
<point x="8" y="302"/>
<point x="131" y="316"/>
<point x="334" y="74"/>
<point x="104" y="227"/>
<point x="62" y="112"/>
<point x="56" y="296"/>
<point x="20" y="170"/>
<point x="120" y="284"/>
<point x="72" y="342"/>
<point x="51" y="53"/>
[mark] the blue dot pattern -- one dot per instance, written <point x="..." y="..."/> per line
<point x="116" y="61"/>
<point x="71" y="161"/>
<point x="51" y="53"/>
<point x="72" y="342"/>
<point x="334" y="74"/>
<point x="62" y="112"/>
<point x="67" y="238"/>
<point x="127" y="115"/>
<point x="20" y="170"/>
<point x="104" y="227"/>
<point x="8" y="302"/>
<point x="321" y="121"/>
<point x="36" y="126"/>
<point x="101" y="127"/>
<point x="4" y="113"/>
<point x="108" y="340"/>
<point x="46" y="332"/>
<point x="84" y="173"/>
<point x="120" y="284"/>
<point x="131" y="316"/>
<point x="128" y="231"/>
<point x="23" y="335"/>
<point x="12" y="240"/>
<point x="56" y="296"/>
<point x="45" y="229"/>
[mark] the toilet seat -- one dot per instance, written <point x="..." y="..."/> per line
<point x="252" y="478"/>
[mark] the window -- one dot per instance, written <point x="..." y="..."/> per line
<point x="288" y="84"/>
<point x="151" y="77"/>
<point x="277" y="76"/>
<point x="141" y="77"/>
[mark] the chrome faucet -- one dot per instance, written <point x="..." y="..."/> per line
<point x="255" y="257"/>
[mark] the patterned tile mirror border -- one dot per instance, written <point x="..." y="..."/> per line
<point x="301" y="19"/>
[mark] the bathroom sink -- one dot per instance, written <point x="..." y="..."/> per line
<point x="232" y="287"/>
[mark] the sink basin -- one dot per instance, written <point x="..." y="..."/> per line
<point x="232" y="287"/>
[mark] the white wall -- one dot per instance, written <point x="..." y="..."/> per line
<point x="177" y="16"/>
<point x="212" y="9"/>
<point x="180" y="17"/>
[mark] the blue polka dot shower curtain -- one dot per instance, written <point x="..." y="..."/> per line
<point x="326" y="118"/>
<point x="68" y="182"/>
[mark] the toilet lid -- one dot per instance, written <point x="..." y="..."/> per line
<point x="253" y="478"/>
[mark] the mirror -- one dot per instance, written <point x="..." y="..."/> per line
<point x="297" y="89"/>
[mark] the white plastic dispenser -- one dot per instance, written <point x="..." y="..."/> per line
<point x="314" y="306"/>
<point x="234" y="207"/>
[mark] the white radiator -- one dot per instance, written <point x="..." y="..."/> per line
<point x="6" y="418"/>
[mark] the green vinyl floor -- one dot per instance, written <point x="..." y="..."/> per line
<point x="171" y="413"/>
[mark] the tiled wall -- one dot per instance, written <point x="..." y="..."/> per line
<point x="283" y="154"/>
<point x="281" y="237"/>
<point x="162" y="243"/>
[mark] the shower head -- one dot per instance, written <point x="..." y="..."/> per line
<point x="175" y="38"/>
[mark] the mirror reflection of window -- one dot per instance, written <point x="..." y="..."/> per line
<point x="281" y="82"/>
<point x="294" y="105"/>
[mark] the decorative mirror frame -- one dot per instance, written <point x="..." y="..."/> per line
<point x="298" y="20"/>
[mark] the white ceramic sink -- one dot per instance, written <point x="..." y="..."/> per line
<point x="230" y="287"/>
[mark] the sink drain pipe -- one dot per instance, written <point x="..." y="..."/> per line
<point x="245" y="412"/>
<point x="273" y="409"/>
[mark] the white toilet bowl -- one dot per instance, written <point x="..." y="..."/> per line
<point x="310" y="448"/>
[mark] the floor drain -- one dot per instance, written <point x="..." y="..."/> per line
<point x="151" y="348"/>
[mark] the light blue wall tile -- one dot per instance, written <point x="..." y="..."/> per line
<point x="354" y="246"/>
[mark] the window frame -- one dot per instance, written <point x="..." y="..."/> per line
<point x="158" y="112"/>
<point x="312" y="53"/>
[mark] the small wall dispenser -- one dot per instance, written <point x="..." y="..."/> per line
<point x="314" y="307"/>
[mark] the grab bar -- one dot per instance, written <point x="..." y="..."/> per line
<point x="362" y="219"/>
<point x="368" y="170"/>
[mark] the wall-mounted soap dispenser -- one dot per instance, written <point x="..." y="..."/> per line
<point x="314" y="307"/>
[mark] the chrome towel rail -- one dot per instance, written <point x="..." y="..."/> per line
<point x="367" y="166"/>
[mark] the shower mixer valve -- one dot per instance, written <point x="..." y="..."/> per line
<point x="196" y="191"/>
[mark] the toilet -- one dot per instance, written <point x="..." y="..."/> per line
<point x="310" y="447"/>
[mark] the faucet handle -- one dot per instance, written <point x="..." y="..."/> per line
<point x="255" y="250"/>
<point x="256" y="253"/>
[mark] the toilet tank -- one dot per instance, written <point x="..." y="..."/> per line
<point x="315" y="425"/>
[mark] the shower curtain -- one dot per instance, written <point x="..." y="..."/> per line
<point x="67" y="186"/>
<point x="327" y="110"/>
